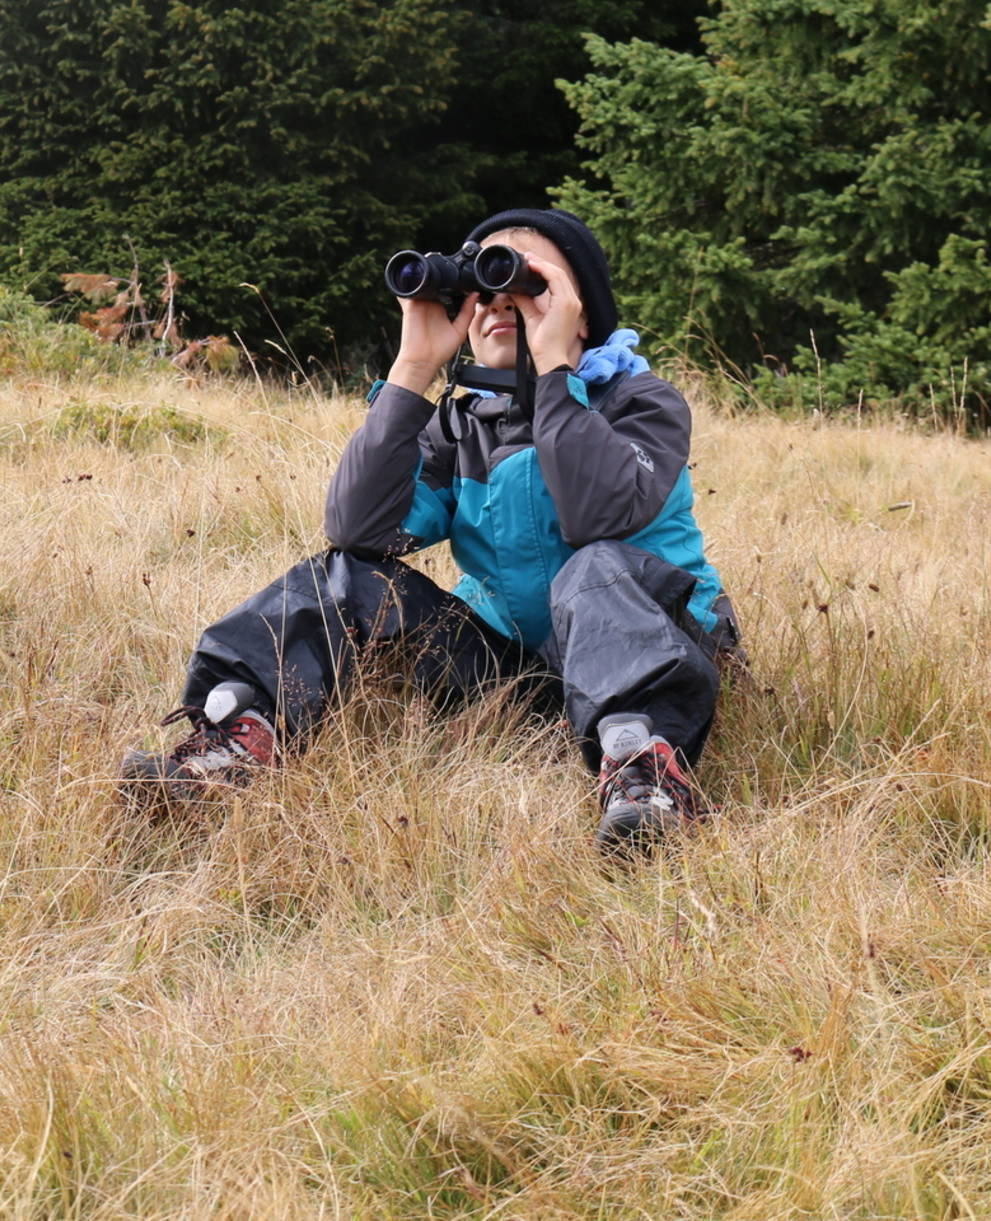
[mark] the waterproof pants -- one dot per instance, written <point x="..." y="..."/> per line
<point x="621" y="641"/>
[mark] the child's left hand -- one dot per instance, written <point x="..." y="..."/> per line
<point x="555" y="320"/>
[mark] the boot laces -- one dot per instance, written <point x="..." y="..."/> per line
<point x="206" y="734"/>
<point x="650" y="778"/>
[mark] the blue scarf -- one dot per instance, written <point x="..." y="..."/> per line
<point x="616" y="355"/>
<point x="598" y="365"/>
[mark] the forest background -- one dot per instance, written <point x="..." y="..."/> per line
<point x="794" y="190"/>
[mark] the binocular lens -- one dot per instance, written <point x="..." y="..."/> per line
<point x="495" y="267"/>
<point x="501" y="269"/>
<point x="407" y="273"/>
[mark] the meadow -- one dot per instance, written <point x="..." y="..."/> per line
<point x="394" y="981"/>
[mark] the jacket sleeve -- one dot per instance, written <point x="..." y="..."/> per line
<point x="390" y="493"/>
<point x="609" y="471"/>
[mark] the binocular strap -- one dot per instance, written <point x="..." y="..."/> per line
<point x="492" y="380"/>
<point x="524" y="380"/>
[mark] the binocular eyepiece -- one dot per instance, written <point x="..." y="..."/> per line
<point x="447" y="277"/>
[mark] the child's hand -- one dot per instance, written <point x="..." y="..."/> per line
<point x="555" y="320"/>
<point x="429" y="340"/>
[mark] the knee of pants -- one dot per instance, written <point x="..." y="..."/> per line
<point x="595" y="563"/>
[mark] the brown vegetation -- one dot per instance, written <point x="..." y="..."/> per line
<point x="394" y="981"/>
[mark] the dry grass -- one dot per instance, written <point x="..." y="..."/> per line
<point x="394" y="982"/>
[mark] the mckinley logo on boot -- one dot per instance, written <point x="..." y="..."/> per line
<point x="626" y="740"/>
<point x="623" y="734"/>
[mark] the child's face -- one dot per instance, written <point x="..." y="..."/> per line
<point x="492" y="331"/>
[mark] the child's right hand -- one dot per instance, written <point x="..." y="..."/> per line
<point x="429" y="340"/>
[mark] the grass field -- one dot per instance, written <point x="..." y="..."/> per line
<point x="393" y="981"/>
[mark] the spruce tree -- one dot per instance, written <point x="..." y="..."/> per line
<point x="259" y="145"/>
<point x="807" y="198"/>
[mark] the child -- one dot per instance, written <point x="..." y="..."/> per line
<point x="572" y="522"/>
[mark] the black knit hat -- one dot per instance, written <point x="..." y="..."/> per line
<point x="578" y="245"/>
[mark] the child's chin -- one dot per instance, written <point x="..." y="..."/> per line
<point x="501" y="355"/>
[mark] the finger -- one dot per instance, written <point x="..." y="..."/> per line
<point x="557" y="278"/>
<point x="462" y="319"/>
<point x="415" y="308"/>
<point x="529" y="310"/>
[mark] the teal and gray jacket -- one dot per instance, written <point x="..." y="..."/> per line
<point x="516" y="499"/>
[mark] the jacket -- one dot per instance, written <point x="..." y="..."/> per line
<point x="516" y="499"/>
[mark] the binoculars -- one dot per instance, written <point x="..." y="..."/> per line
<point x="447" y="277"/>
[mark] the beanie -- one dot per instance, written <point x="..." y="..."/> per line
<point x="578" y="245"/>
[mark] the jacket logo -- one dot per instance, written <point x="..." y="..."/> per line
<point x="645" y="460"/>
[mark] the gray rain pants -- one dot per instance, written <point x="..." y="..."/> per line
<point x="622" y="641"/>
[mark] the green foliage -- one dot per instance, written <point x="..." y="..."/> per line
<point x="33" y="342"/>
<point x="260" y="145"/>
<point x="516" y="129"/>
<point x="130" y="426"/>
<point x="808" y="198"/>
<point x="276" y="154"/>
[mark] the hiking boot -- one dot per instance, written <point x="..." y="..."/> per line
<point x="643" y="792"/>
<point x="230" y="741"/>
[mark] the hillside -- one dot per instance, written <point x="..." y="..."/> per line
<point x="394" y="981"/>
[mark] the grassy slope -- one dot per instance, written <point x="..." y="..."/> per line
<point x="394" y="982"/>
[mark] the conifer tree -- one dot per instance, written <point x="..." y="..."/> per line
<point x="807" y="197"/>
<point x="291" y="146"/>
<point x="256" y="145"/>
